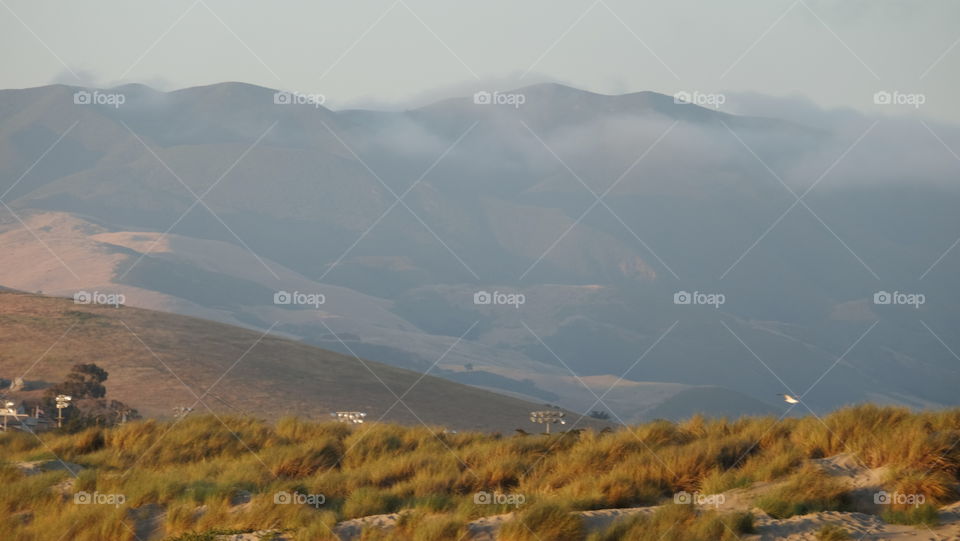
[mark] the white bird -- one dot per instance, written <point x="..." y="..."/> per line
<point x="789" y="399"/>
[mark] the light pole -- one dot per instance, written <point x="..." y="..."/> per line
<point x="181" y="411"/>
<point x="63" y="401"/>
<point x="8" y="409"/>
<point x="548" y="417"/>
<point x="355" y="417"/>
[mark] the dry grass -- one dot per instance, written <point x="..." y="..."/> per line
<point x="809" y="490"/>
<point x="679" y="523"/>
<point x="207" y="476"/>
<point x="421" y="526"/>
<point x="832" y="532"/>
<point x="543" y="522"/>
<point x="149" y="355"/>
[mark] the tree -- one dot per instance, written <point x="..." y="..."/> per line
<point x="106" y="413"/>
<point x="85" y="380"/>
<point x="85" y="385"/>
<point x="599" y="414"/>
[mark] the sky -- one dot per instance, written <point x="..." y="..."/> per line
<point x="394" y="53"/>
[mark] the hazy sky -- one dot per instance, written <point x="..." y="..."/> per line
<point x="380" y="52"/>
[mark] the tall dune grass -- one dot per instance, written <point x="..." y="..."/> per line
<point x="201" y="474"/>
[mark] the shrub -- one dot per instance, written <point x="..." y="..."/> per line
<point x="810" y="490"/>
<point x="369" y="501"/>
<point x="209" y="535"/>
<point x="832" y="532"/>
<point x="422" y="526"/>
<point x="296" y="462"/>
<point x="543" y="522"/>
<point x="679" y="523"/>
<point x="934" y="486"/>
<point x="925" y="514"/>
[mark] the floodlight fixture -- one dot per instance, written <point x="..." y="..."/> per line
<point x="354" y="417"/>
<point x="548" y="418"/>
<point x="63" y="401"/>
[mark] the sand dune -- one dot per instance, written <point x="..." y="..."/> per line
<point x="860" y="525"/>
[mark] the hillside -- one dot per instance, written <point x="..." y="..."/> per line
<point x="220" y="281"/>
<point x="159" y="361"/>
<point x="305" y="198"/>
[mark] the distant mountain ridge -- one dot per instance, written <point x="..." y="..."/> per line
<point x="301" y="197"/>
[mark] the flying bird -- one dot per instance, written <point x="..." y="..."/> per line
<point x="789" y="399"/>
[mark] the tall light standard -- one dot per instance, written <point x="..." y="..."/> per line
<point x="122" y="414"/>
<point x="548" y="417"/>
<point x="63" y="401"/>
<point x="355" y="417"/>
<point x="181" y="411"/>
<point x="7" y="410"/>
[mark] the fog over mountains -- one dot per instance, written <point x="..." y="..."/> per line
<point x="597" y="209"/>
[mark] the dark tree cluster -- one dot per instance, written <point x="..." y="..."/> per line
<point x="85" y="385"/>
<point x="85" y="380"/>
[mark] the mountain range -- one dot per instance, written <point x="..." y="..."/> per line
<point x="596" y="210"/>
